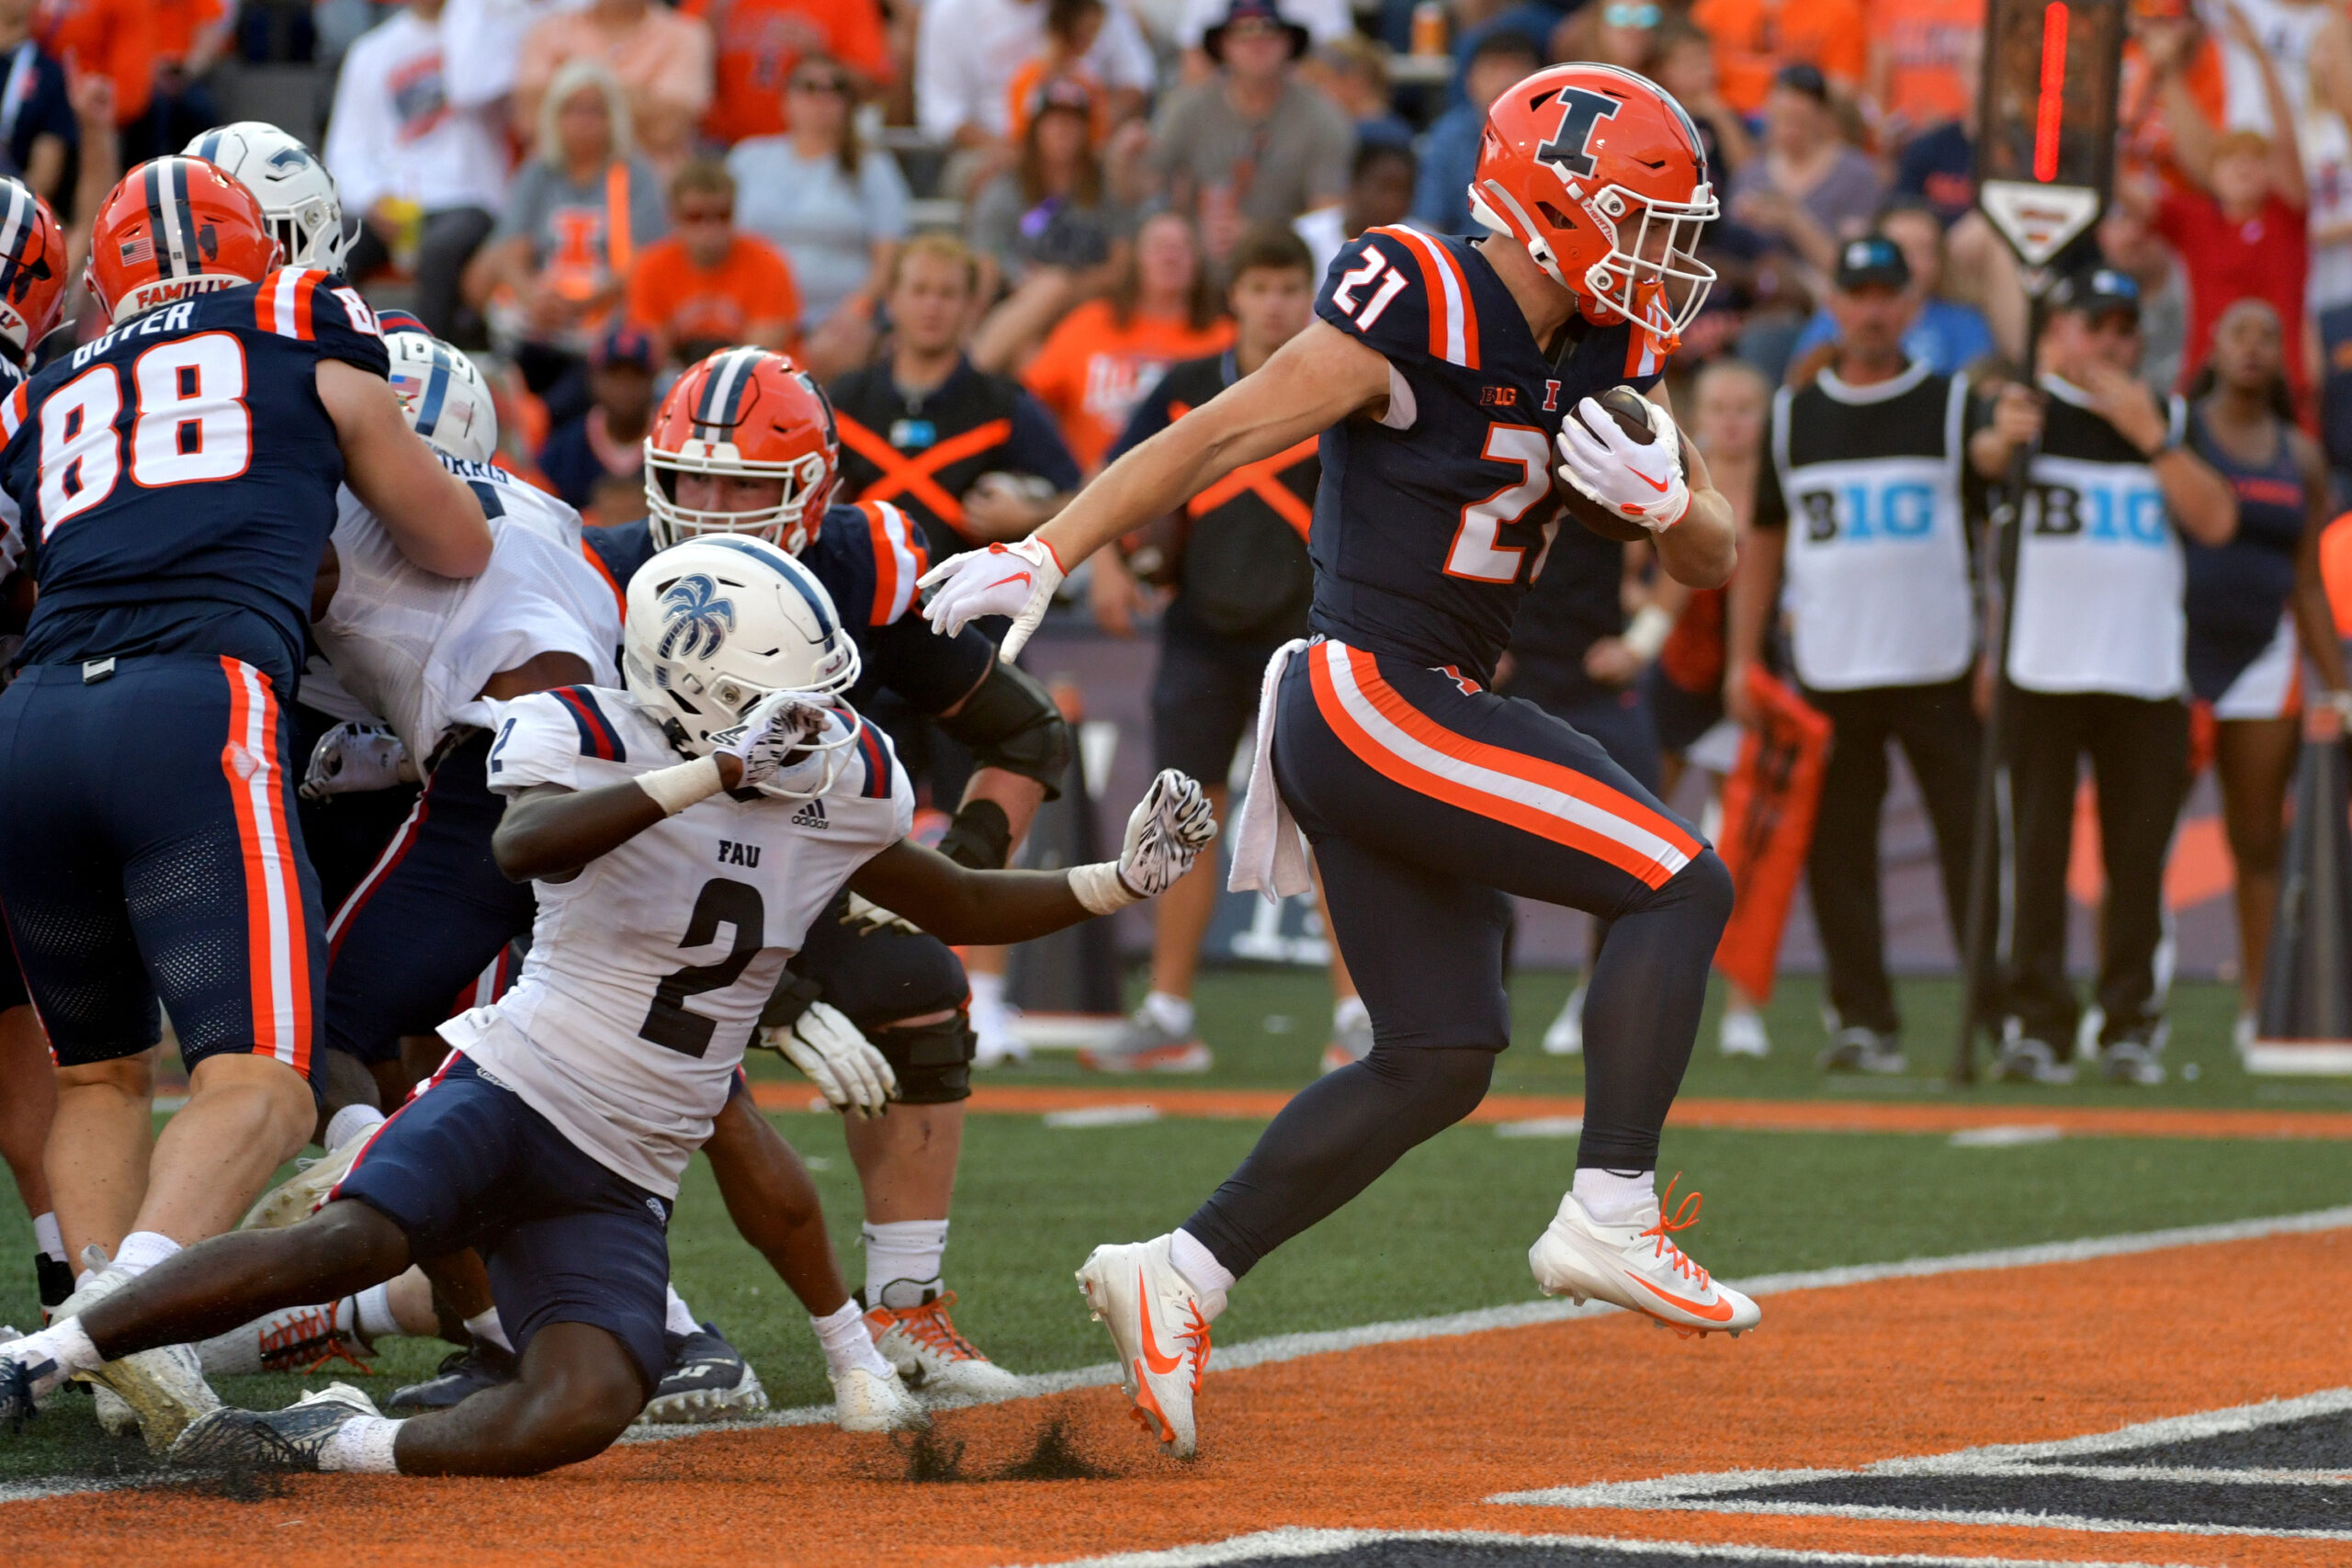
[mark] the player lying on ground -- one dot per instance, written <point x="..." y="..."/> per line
<point x="670" y="894"/>
<point x="1448" y="376"/>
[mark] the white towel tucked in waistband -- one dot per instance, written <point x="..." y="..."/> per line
<point x="1269" y="851"/>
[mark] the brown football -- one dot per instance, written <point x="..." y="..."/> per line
<point x="1627" y="407"/>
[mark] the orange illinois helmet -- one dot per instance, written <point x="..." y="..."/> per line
<point x="176" y="228"/>
<point x="748" y="414"/>
<point x="32" y="270"/>
<point x="1600" y="174"/>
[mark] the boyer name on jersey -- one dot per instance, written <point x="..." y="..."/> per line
<point x="648" y="970"/>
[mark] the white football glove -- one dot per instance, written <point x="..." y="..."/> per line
<point x="834" y="1055"/>
<point x="355" y="756"/>
<point x="1016" y="580"/>
<point x="1167" y="831"/>
<point x="1610" y="467"/>
<point x="779" y="725"/>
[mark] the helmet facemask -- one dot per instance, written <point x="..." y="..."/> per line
<point x="1661" y="293"/>
<point x="807" y="485"/>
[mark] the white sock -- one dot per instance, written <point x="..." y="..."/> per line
<point x="1615" y="1198"/>
<point x="902" y="1261"/>
<point x="1209" y="1278"/>
<point x="1349" y="1013"/>
<point x="485" y="1325"/>
<point x="677" y="1319"/>
<point x="142" y="1250"/>
<point x="1173" y="1014"/>
<point x="48" y="1237"/>
<point x="67" y="1343"/>
<point x="350" y="1123"/>
<point x="363" y="1447"/>
<point x="847" y="1341"/>
<point x="371" y="1313"/>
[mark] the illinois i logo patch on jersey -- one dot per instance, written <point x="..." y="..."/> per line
<point x="695" y="619"/>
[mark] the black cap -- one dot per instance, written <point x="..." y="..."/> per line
<point x="1803" y="77"/>
<point x="1213" y="40"/>
<point x="1873" y="258"/>
<point x="2097" y="291"/>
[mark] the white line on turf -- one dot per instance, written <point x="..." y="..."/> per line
<point x="1291" y="1347"/>
<point x="1298" y="1542"/>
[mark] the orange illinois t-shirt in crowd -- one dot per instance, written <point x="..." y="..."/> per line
<point x="1754" y="38"/>
<point x="759" y="40"/>
<point x="117" y="37"/>
<point x="178" y="24"/>
<point x="1931" y="48"/>
<point x="751" y="293"/>
<point x="1092" y="372"/>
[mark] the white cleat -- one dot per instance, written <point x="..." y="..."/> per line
<point x="875" y="1402"/>
<point x="1160" y="1326"/>
<point x="1743" y="1034"/>
<point x="163" y="1390"/>
<point x="1638" y="1266"/>
<point x="1566" y="1036"/>
<point x="300" y="1196"/>
<point x="932" y="1354"/>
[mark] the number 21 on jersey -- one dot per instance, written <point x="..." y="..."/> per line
<point x="192" y="424"/>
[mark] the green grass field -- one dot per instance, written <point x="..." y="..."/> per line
<point x="1448" y="1229"/>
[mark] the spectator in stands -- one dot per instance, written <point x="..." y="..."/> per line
<point x="833" y="206"/>
<point x="2171" y="74"/>
<point x="1072" y="29"/>
<point x="759" y="43"/>
<point x="662" y="60"/>
<point x="1241" y="585"/>
<point x="1682" y="61"/>
<point x="1450" y="153"/>
<point x="1353" y="71"/>
<point x="1106" y="353"/>
<point x="1622" y="33"/>
<point x="597" y="459"/>
<point x="2238" y="225"/>
<point x="2128" y="244"/>
<point x="412" y="168"/>
<point x="190" y="37"/>
<point x="1811" y="189"/>
<point x="1252" y="144"/>
<point x="576" y="216"/>
<point x="37" y="115"/>
<point x="116" y="37"/>
<point x="1756" y="41"/>
<point x="923" y="428"/>
<point x="2257" y="609"/>
<point x="482" y="42"/>
<point x="1380" y="191"/>
<point x="1326" y="22"/>
<point x="1861" y="510"/>
<point x="1943" y="334"/>
<point x="1048" y="228"/>
<point x="2096" y="664"/>
<point x="1922" y="61"/>
<point x="967" y="50"/>
<point x="708" y="285"/>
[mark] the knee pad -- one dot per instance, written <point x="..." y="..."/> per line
<point x="878" y="976"/>
<point x="933" y="1061"/>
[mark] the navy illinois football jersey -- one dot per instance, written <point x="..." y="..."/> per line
<point x="172" y="483"/>
<point x="1431" y="520"/>
<point x="868" y="557"/>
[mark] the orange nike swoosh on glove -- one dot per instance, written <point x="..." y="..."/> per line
<point x="1719" y="1313"/>
<point x="1160" y="1364"/>
<point x="1016" y="577"/>
<point x="1658" y="485"/>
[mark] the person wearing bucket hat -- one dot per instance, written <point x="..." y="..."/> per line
<point x="1253" y="143"/>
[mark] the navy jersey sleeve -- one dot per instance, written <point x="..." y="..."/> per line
<point x="1379" y="288"/>
<point x="868" y="557"/>
<point x="1037" y="445"/>
<point x="620" y="548"/>
<point x="311" y="306"/>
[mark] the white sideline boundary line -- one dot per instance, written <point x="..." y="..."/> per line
<point x="1295" y="1542"/>
<point x="1447" y="1326"/>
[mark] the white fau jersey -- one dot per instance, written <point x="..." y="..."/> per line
<point x="416" y="648"/>
<point x="648" y="970"/>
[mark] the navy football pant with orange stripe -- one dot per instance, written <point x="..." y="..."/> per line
<point x="150" y="849"/>
<point x="1428" y="800"/>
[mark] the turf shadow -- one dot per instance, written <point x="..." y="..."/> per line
<point x="935" y="1457"/>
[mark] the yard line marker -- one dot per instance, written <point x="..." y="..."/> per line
<point x="1298" y="1542"/>
<point x="2005" y="1136"/>
<point x="1102" y="1116"/>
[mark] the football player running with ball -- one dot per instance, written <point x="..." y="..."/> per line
<point x="674" y="833"/>
<point x="1448" y="376"/>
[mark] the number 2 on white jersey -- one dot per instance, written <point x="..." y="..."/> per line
<point x="1475" y="553"/>
<point x="1391" y="285"/>
<point x="193" y="424"/>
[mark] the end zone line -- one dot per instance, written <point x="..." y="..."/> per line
<point x="1292" y="1347"/>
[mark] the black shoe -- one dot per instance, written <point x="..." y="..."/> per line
<point x="17" y="1406"/>
<point x="272" y="1440"/>
<point x="461" y="1373"/>
<point x="707" y="1381"/>
<point x="54" y="1277"/>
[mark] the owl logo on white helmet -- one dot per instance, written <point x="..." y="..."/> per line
<point x="715" y="624"/>
<point x="296" y="194"/>
<point x="443" y="396"/>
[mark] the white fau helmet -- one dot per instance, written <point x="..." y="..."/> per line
<point x="715" y="624"/>
<point x="296" y="194"/>
<point x="442" y="396"/>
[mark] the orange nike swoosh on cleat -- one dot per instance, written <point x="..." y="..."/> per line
<point x="1163" y="1365"/>
<point x="1654" y="484"/>
<point x="1719" y="1313"/>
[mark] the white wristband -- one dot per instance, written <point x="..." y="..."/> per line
<point x="675" y="789"/>
<point x="1648" y="632"/>
<point x="1101" y="888"/>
